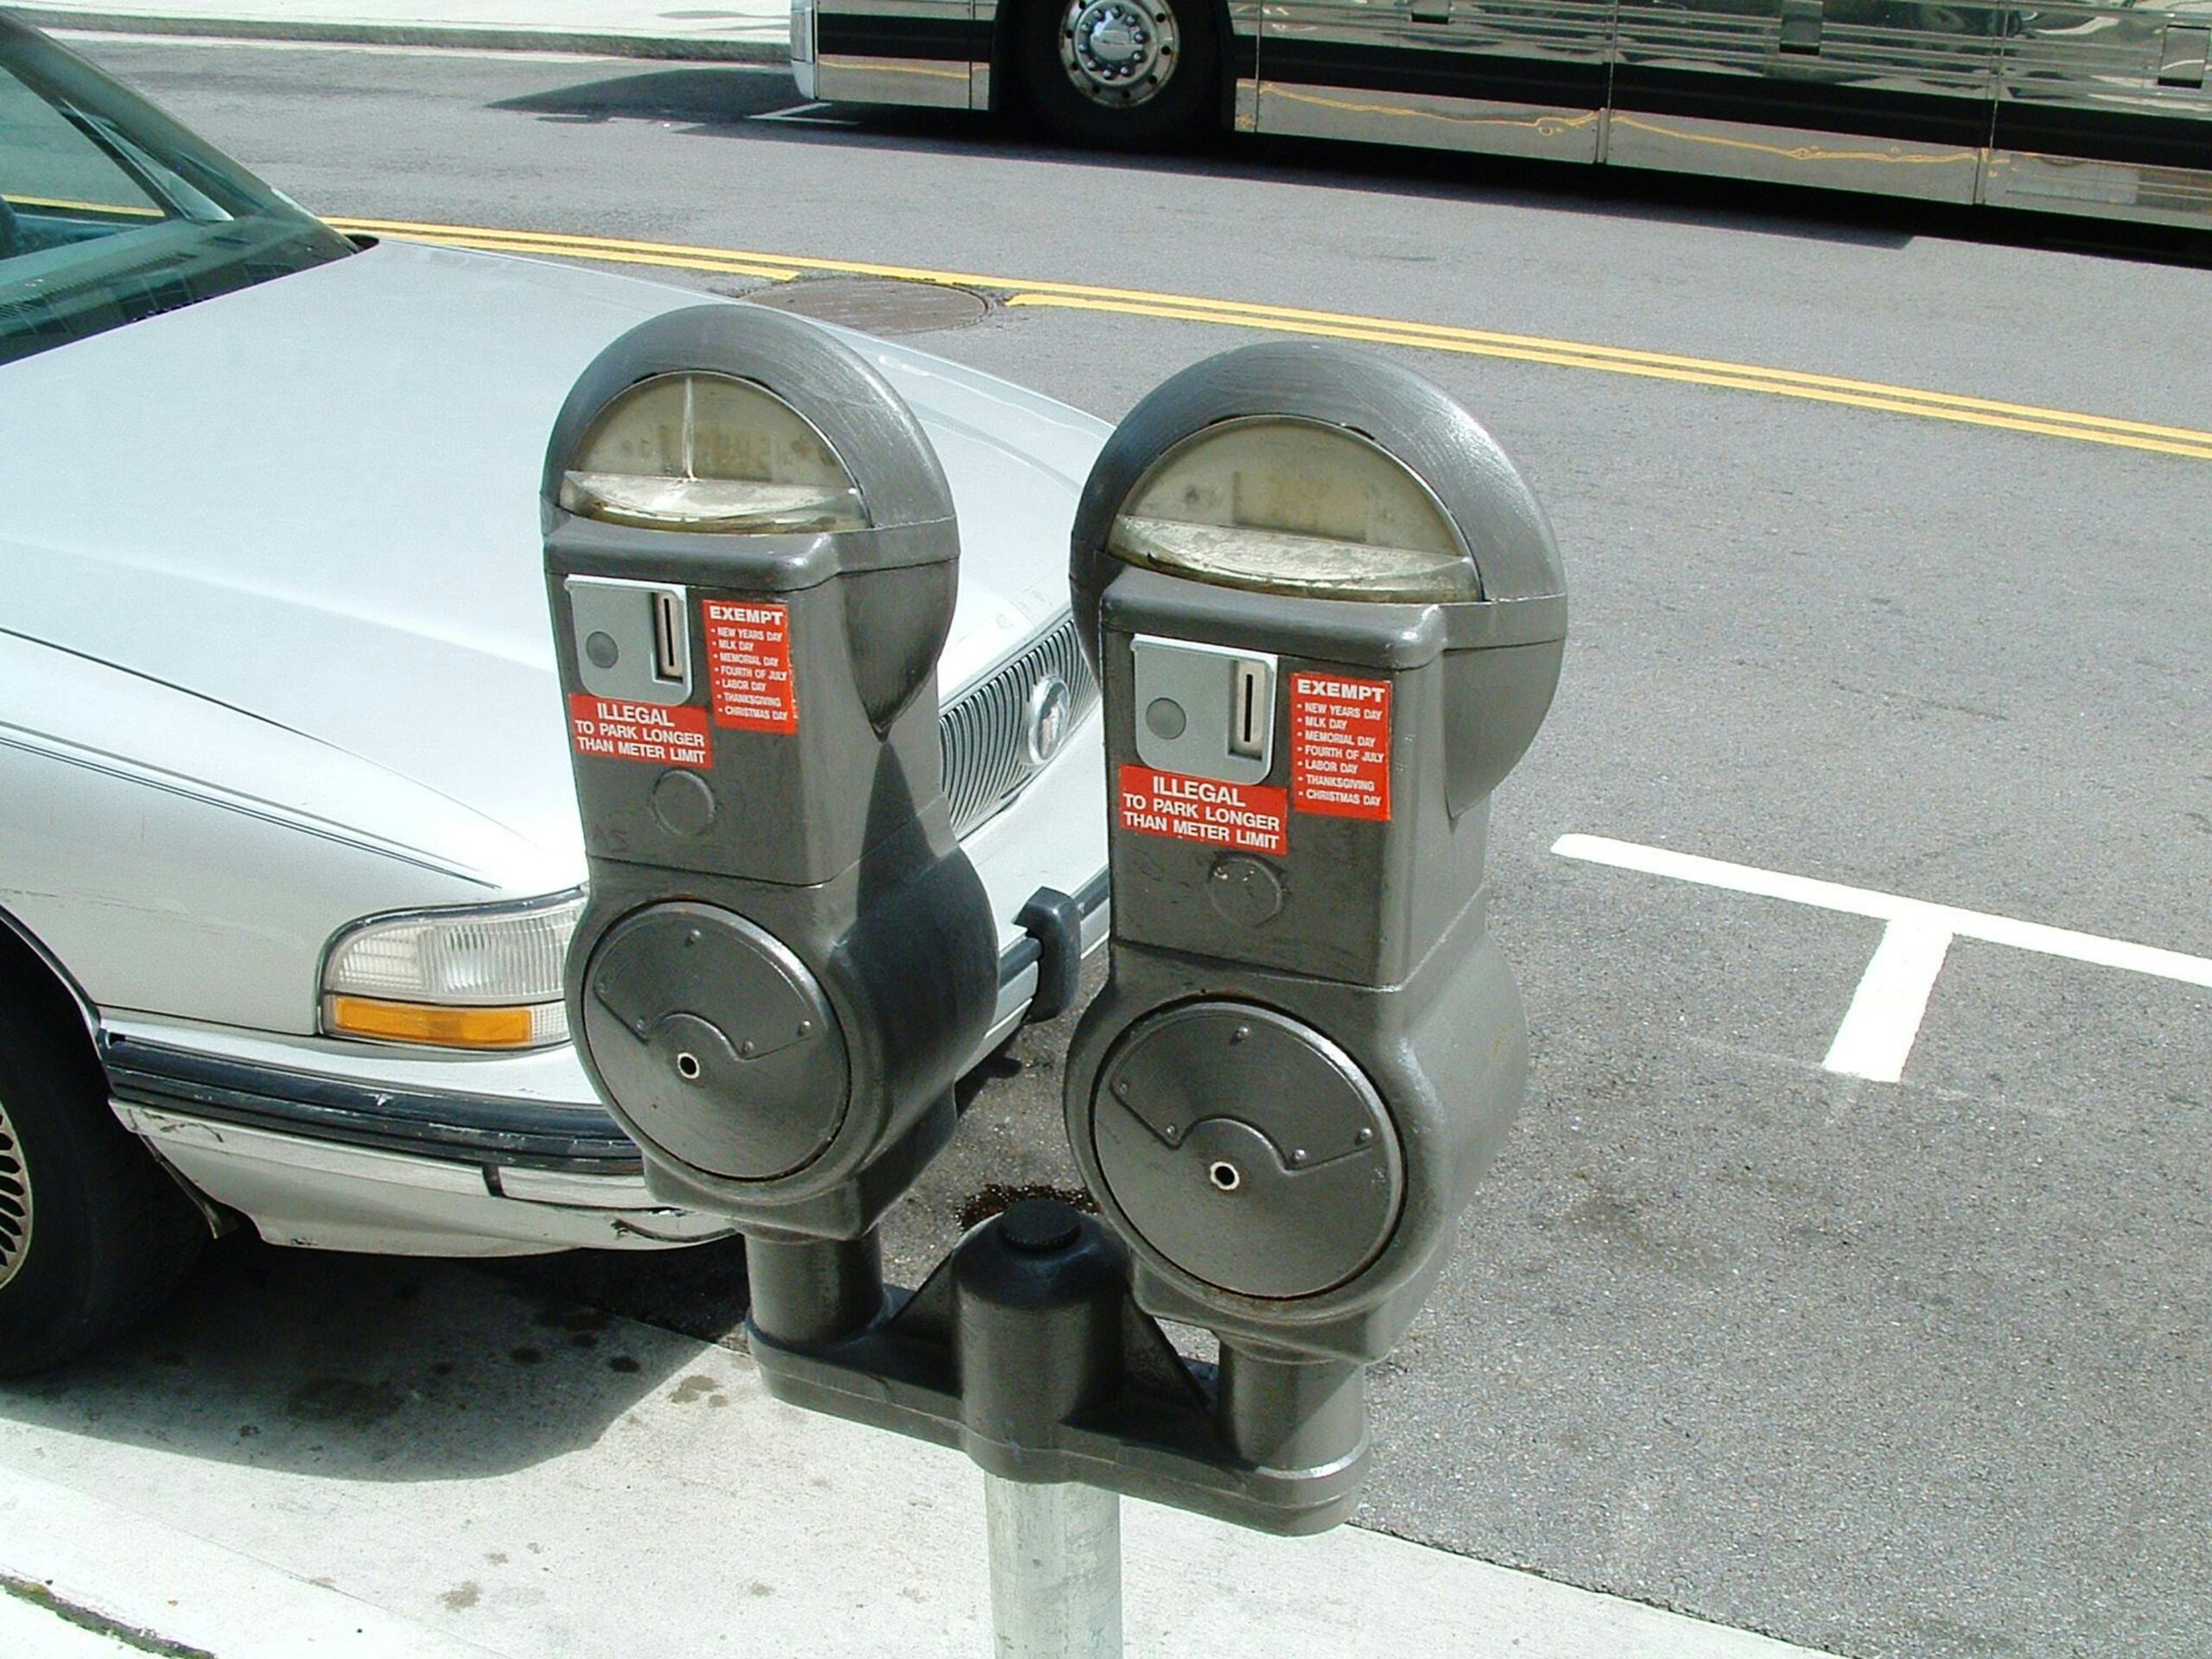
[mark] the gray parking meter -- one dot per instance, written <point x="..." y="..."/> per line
<point x="1328" y="618"/>
<point x="751" y="558"/>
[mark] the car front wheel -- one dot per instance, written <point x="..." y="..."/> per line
<point x="1127" y="74"/>
<point x="92" y="1230"/>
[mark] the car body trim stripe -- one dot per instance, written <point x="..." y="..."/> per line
<point x="200" y="794"/>
<point x="476" y="1128"/>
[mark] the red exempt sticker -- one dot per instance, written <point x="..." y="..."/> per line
<point x="749" y="665"/>
<point x="1340" y="745"/>
<point x="1247" y="816"/>
<point x="638" y="731"/>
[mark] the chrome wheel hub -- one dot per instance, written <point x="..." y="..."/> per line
<point x="15" y="1201"/>
<point x="1118" y="53"/>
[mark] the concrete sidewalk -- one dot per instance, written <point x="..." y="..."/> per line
<point x="313" y="1459"/>
<point x="729" y="31"/>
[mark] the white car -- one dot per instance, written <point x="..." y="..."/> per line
<point x="289" y="847"/>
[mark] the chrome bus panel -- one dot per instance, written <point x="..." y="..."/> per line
<point x="1683" y="76"/>
<point x="1503" y="77"/>
<point x="2099" y="107"/>
<point x="803" y="13"/>
<point x="1244" y="25"/>
<point x="2068" y="184"/>
<point x="1246" y="115"/>
<point x="920" y="53"/>
<point x="1384" y="118"/>
<point x="1738" y="149"/>
<point x="2105" y="110"/>
<point x="921" y="83"/>
<point x="1894" y="97"/>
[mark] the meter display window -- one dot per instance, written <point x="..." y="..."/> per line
<point x="1294" y="507"/>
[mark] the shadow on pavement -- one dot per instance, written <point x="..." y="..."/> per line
<point x="706" y="97"/>
<point x="364" y="1368"/>
<point x="406" y="1368"/>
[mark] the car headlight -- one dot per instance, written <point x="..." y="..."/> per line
<point x="485" y="978"/>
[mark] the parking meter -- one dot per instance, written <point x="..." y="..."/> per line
<point x="1327" y="617"/>
<point x="751" y="558"/>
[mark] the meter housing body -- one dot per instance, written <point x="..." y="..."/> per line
<point x="1327" y="617"/>
<point x="752" y="559"/>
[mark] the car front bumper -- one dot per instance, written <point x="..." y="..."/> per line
<point x="337" y="1146"/>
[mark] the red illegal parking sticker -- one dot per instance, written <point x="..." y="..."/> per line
<point x="638" y="731"/>
<point x="1340" y="745"/>
<point x="749" y="665"/>
<point x="1247" y="816"/>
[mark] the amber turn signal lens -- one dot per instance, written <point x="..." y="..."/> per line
<point x="417" y="1022"/>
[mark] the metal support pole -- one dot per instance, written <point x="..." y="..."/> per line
<point x="1056" y="1570"/>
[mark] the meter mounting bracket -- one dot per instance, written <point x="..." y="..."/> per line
<point x="1025" y="1349"/>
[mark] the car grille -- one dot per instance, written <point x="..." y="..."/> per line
<point x="986" y="761"/>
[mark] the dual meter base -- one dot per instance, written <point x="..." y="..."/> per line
<point x="1026" y="1351"/>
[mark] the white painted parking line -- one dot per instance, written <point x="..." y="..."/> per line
<point x="805" y="115"/>
<point x="1883" y="1020"/>
<point x="1878" y="1031"/>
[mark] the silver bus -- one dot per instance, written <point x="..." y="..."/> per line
<point x="2100" y="107"/>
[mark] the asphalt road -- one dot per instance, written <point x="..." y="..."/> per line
<point x="1886" y="1369"/>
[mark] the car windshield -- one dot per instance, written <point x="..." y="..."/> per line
<point x="110" y="212"/>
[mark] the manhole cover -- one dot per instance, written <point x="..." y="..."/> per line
<point x="876" y="305"/>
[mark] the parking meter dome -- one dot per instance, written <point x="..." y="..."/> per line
<point x="757" y="447"/>
<point x="1304" y="471"/>
<point x="1283" y="505"/>
<point x="709" y="454"/>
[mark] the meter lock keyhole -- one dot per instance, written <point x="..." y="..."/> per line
<point x="1224" y="1176"/>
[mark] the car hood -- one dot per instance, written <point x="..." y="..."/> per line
<point x="315" y="501"/>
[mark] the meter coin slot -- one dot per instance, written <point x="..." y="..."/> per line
<point x="1251" y="709"/>
<point x="1208" y="711"/>
<point x="669" y="641"/>
<point x="632" y="642"/>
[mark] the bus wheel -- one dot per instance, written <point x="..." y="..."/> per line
<point x="92" y="1231"/>
<point x="1126" y="74"/>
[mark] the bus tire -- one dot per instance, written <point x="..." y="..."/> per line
<point x="1122" y="74"/>
<point x="94" y="1232"/>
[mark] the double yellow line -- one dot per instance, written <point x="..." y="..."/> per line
<point x="1336" y="325"/>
